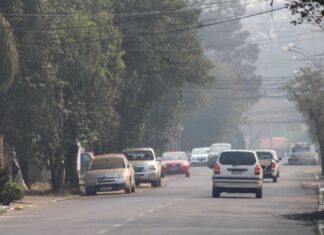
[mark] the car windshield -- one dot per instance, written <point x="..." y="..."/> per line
<point x="200" y="151"/>
<point x="237" y="158"/>
<point x="299" y="149"/>
<point x="107" y="163"/>
<point x="174" y="156"/>
<point x="139" y="155"/>
<point x="217" y="148"/>
<point x="264" y="155"/>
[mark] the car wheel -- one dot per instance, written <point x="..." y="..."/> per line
<point x="155" y="183"/>
<point x="137" y="184"/>
<point x="133" y="188"/>
<point x="187" y="174"/>
<point x="274" y="179"/>
<point x="216" y="192"/>
<point x="128" y="189"/>
<point x="162" y="175"/>
<point x="258" y="193"/>
<point x="89" y="192"/>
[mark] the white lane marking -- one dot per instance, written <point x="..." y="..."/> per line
<point x="177" y="200"/>
<point x="102" y="231"/>
<point x="150" y="211"/>
<point x="130" y="220"/>
<point x="169" y="203"/>
<point x="160" y="206"/>
<point x="142" y="214"/>
<point x="117" y="225"/>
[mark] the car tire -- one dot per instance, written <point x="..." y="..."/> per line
<point x="274" y="179"/>
<point x="128" y="189"/>
<point x="188" y="174"/>
<point x="259" y="193"/>
<point x="133" y="189"/>
<point x="216" y="192"/>
<point x="137" y="184"/>
<point x="156" y="183"/>
<point x="89" y="192"/>
<point x="162" y="175"/>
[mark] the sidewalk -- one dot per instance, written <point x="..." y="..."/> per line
<point x="30" y="201"/>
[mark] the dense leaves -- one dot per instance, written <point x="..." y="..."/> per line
<point x="93" y="72"/>
<point x="306" y="90"/>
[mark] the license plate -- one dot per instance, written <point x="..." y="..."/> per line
<point x="237" y="172"/>
<point x="107" y="188"/>
<point x="173" y="169"/>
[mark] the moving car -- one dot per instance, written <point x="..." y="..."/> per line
<point x="270" y="164"/>
<point x="199" y="156"/>
<point x="110" y="172"/>
<point x="147" y="167"/>
<point x="302" y="154"/>
<point x="237" y="171"/>
<point x="214" y="152"/>
<point x="175" y="163"/>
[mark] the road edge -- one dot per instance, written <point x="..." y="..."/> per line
<point x="321" y="203"/>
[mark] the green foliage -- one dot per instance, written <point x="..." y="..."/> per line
<point x="10" y="192"/>
<point x="306" y="90"/>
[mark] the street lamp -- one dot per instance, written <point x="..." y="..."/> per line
<point x="292" y="48"/>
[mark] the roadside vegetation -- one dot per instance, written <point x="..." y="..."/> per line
<point x="109" y="74"/>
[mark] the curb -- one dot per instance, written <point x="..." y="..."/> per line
<point x="321" y="205"/>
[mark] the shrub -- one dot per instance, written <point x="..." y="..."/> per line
<point x="10" y="192"/>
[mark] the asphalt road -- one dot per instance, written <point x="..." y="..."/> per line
<point x="181" y="206"/>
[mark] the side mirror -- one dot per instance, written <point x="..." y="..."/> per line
<point x="280" y="159"/>
<point x="129" y="165"/>
<point x="159" y="159"/>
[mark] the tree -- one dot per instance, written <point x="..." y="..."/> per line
<point x="158" y="57"/>
<point x="307" y="10"/>
<point x="307" y="91"/>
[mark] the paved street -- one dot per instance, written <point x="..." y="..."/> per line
<point x="181" y="206"/>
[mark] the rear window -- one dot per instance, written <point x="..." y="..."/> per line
<point x="107" y="163"/>
<point x="139" y="155"/>
<point x="264" y="155"/>
<point x="174" y="156"/>
<point x="237" y="158"/>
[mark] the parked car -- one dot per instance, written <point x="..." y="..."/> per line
<point x="175" y="163"/>
<point x="199" y="156"/>
<point x="110" y="172"/>
<point x="270" y="164"/>
<point x="147" y="167"/>
<point x="237" y="171"/>
<point x="302" y="154"/>
<point x="215" y="151"/>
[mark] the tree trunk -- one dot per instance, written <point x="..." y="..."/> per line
<point x="72" y="177"/>
<point x="57" y="175"/>
<point x="321" y="156"/>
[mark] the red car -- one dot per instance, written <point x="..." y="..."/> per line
<point x="175" y="163"/>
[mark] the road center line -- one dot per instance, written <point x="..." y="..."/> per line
<point x="102" y="231"/>
<point x="130" y="220"/>
<point x="117" y="225"/>
<point x="150" y="211"/>
<point x="142" y="214"/>
<point x="160" y="206"/>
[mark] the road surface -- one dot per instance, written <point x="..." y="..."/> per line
<point x="181" y="206"/>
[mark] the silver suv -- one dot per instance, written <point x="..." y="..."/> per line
<point x="147" y="167"/>
<point x="237" y="171"/>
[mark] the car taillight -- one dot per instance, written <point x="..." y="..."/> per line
<point x="273" y="165"/>
<point x="217" y="169"/>
<point x="257" y="170"/>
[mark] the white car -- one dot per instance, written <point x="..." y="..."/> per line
<point x="237" y="171"/>
<point x="215" y="151"/>
<point x="199" y="156"/>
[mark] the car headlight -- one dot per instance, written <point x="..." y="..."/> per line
<point x="120" y="177"/>
<point x="185" y="164"/>
<point x="151" y="168"/>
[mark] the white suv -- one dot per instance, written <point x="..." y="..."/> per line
<point x="237" y="171"/>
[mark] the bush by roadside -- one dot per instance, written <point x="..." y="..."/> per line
<point x="9" y="191"/>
